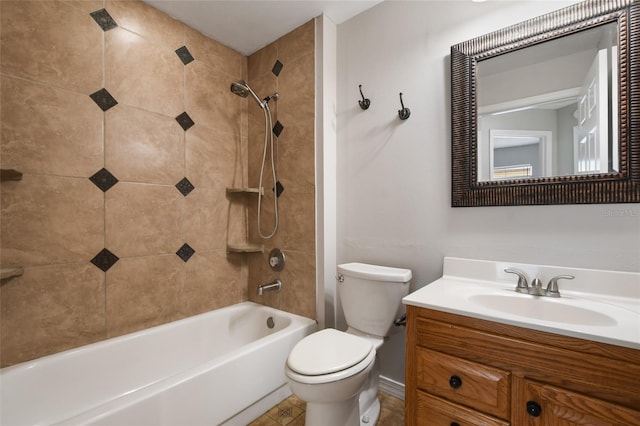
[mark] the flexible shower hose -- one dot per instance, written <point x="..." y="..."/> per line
<point x="268" y="141"/>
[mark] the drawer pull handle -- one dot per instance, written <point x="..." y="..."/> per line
<point x="455" y="424"/>
<point x="455" y="382"/>
<point x="534" y="409"/>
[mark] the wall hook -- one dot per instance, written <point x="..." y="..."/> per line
<point x="403" y="113"/>
<point x="364" y="103"/>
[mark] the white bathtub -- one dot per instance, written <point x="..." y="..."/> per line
<point x="222" y="367"/>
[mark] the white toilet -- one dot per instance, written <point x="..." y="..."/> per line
<point x="336" y="372"/>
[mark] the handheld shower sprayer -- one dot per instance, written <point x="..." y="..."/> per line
<point x="242" y="89"/>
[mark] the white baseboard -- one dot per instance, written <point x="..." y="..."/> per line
<point x="391" y="387"/>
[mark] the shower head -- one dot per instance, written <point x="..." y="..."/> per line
<point x="242" y="89"/>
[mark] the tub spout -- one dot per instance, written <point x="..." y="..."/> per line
<point x="274" y="286"/>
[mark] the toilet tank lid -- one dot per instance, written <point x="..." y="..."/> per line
<point x="375" y="272"/>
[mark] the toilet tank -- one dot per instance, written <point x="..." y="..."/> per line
<point x="371" y="295"/>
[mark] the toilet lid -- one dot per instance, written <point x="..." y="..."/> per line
<point x="327" y="351"/>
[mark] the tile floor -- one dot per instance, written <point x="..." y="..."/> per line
<point x="290" y="412"/>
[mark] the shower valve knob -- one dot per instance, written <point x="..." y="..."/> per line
<point x="276" y="260"/>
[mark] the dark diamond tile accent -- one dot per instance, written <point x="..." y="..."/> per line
<point x="103" y="179"/>
<point x="103" y="19"/>
<point x="104" y="260"/>
<point x="185" y="121"/>
<point x="278" y="189"/>
<point x="185" y="187"/>
<point x="184" y="55"/>
<point x="103" y="99"/>
<point x="185" y="252"/>
<point x="277" y="67"/>
<point x="278" y="128"/>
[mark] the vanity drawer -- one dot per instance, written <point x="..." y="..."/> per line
<point x="434" y="411"/>
<point x="475" y="385"/>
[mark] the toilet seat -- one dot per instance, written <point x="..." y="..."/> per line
<point x="329" y="355"/>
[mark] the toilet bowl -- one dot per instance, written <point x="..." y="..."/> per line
<point x="336" y="372"/>
<point x="328" y="370"/>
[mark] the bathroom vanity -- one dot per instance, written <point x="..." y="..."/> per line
<point x="471" y="363"/>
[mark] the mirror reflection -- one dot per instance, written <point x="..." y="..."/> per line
<point x="550" y="109"/>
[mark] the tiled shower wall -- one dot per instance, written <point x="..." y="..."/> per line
<point x="286" y="66"/>
<point x="127" y="135"/>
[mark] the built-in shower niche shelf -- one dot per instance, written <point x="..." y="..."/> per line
<point x="10" y="174"/>
<point x="244" y="191"/>
<point x="245" y="248"/>
<point x="6" y="273"/>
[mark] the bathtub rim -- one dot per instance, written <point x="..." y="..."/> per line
<point x="127" y="336"/>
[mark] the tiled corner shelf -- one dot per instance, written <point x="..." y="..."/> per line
<point x="10" y="174"/>
<point x="245" y="248"/>
<point x="6" y="273"/>
<point x="244" y="191"/>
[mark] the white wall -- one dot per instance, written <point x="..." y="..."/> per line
<point x="393" y="177"/>
<point x="325" y="153"/>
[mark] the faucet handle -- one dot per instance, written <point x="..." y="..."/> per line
<point x="522" y="286"/>
<point x="552" y="287"/>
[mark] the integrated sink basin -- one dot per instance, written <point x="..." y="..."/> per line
<point x="602" y="306"/>
<point x="545" y="309"/>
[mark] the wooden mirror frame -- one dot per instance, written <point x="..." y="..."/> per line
<point x="617" y="187"/>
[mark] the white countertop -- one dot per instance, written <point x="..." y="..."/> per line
<point x="597" y="305"/>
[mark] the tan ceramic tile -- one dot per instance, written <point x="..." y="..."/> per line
<point x="391" y="411"/>
<point x="50" y="309"/>
<point x="299" y="421"/>
<point x="285" y="413"/>
<point x="264" y="421"/>
<point x="237" y="217"/>
<point x="297" y="91"/>
<point x="213" y="158"/>
<point x="206" y="219"/>
<point x="209" y="100"/>
<point x="143" y="220"/>
<point x="297" y="43"/>
<point x="143" y="292"/>
<point x="150" y="23"/>
<point x="216" y="56"/>
<point x="213" y="281"/>
<point x="142" y="74"/>
<point x="296" y="149"/>
<point x="142" y="146"/>
<point x="262" y="61"/>
<point x="267" y="215"/>
<point x="49" y="131"/>
<point x="86" y="6"/>
<point x="71" y="59"/>
<point x="298" y="293"/>
<point x="49" y="219"/>
<point x="259" y="273"/>
<point x="296" y="212"/>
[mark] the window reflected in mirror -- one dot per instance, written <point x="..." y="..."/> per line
<point x="550" y="109"/>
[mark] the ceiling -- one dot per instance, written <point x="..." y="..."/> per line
<point x="249" y="25"/>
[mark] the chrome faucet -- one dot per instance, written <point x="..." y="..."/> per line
<point x="273" y="286"/>
<point x="536" y="285"/>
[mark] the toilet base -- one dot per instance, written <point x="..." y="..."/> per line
<point x="368" y="399"/>
<point x="370" y="417"/>
<point x="343" y="413"/>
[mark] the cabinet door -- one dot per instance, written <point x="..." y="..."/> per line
<point x="545" y="405"/>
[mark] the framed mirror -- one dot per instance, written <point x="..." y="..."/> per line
<point x="547" y="111"/>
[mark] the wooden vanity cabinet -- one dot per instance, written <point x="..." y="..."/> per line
<point x="464" y="371"/>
